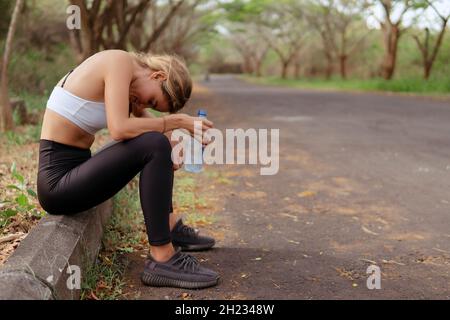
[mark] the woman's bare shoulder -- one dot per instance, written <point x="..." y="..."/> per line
<point x="88" y="79"/>
<point x="115" y="53"/>
<point x="115" y="61"/>
<point x="116" y="56"/>
<point x="108" y="59"/>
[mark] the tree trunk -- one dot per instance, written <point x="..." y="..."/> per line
<point x="105" y="25"/>
<point x="297" y="70"/>
<point x="258" y="68"/>
<point x="427" y="70"/>
<point x="343" y="66"/>
<point x="428" y="60"/>
<point x="259" y="59"/>
<point x="86" y="41"/>
<point x="284" y="69"/>
<point x="391" y="37"/>
<point x="247" y="65"/>
<point x="160" y="29"/>
<point x="75" y="42"/>
<point x="7" y="115"/>
<point x="329" y="68"/>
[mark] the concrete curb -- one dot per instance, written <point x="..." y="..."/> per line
<point x="40" y="267"/>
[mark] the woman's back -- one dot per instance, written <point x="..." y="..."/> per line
<point x="85" y="82"/>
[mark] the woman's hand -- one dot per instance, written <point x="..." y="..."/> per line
<point x="184" y="121"/>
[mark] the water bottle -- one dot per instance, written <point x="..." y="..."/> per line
<point x="193" y="161"/>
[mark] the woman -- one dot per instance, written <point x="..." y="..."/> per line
<point x="102" y="92"/>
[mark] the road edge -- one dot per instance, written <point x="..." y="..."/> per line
<point x="438" y="97"/>
<point x="51" y="261"/>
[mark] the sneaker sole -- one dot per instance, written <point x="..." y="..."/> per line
<point x="161" y="281"/>
<point x="195" y="247"/>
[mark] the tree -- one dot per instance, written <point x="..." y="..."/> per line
<point x="7" y="122"/>
<point x="342" y="29"/>
<point x="344" y="19"/>
<point x="104" y="24"/>
<point x="192" y="24"/>
<point x="245" y="50"/>
<point x="430" y="52"/>
<point x="146" y="32"/>
<point x="284" y="31"/>
<point x="315" y="15"/>
<point x="107" y="24"/>
<point x="392" y="29"/>
<point x="246" y="29"/>
<point x="253" y="51"/>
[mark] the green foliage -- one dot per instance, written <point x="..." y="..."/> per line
<point x="28" y="134"/>
<point x="412" y="85"/>
<point x="41" y="53"/>
<point x="186" y="198"/>
<point x="407" y="85"/>
<point x="216" y="52"/>
<point x="36" y="72"/>
<point x="21" y="203"/>
<point x="33" y="101"/>
<point x="242" y="11"/>
<point x="364" y="43"/>
<point x="127" y="219"/>
<point x="103" y="281"/>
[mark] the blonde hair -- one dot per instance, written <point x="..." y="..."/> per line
<point x="178" y="86"/>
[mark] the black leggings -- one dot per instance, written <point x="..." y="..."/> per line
<point x="70" y="180"/>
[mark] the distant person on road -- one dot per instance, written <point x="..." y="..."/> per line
<point x="102" y="92"/>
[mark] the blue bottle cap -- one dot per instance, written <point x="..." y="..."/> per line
<point x="202" y="113"/>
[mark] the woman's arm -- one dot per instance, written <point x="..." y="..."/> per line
<point x="117" y="78"/>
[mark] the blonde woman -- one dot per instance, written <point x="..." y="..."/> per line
<point x="102" y="92"/>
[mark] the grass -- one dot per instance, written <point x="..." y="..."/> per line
<point x="20" y="200"/>
<point x="188" y="200"/>
<point x="219" y="177"/>
<point x="29" y="133"/>
<point x="125" y="233"/>
<point x="104" y="280"/>
<point x="19" y="207"/>
<point x="23" y="135"/>
<point x="33" y="101"/>
<point x="407" y="85"/>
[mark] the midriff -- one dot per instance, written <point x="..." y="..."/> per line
<point x="57" y="128"/>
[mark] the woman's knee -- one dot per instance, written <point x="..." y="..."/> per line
<point x="155" y="142"/>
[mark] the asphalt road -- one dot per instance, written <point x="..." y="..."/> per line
<point x="364" y="179"/>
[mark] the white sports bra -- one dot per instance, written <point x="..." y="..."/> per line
<point x="88" y="115"/>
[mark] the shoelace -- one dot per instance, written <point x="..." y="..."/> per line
<point x="187" y="262"/>
<point x="189" y="231"/>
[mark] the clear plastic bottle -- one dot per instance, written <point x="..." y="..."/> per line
<point x="193" y="161"/>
